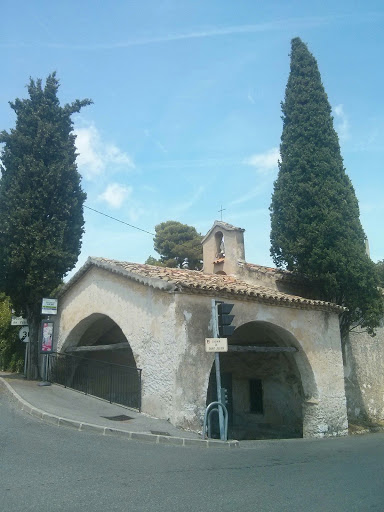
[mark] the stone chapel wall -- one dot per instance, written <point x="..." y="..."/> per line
<point x="364" y="376"/>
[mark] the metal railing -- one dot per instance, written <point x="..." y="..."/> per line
<point x="113" y="382"/>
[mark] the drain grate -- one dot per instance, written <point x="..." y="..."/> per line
<point x="159" y="433"/>
<point x="121" y="417"/>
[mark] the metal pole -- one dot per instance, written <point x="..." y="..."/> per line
<point x="217" y="368"/>
<point x="26" y="360"/>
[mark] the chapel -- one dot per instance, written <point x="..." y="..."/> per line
<point x="284" y="371"/>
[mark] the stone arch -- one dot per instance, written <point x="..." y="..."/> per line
<point x="109" y="372"/>
<point x="267" y="390"/>
<point x="219" y="243"/>
<point x="100" y="329"/>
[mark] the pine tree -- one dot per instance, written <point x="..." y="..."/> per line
<point x="176" y="242"/>
<point x="41" y="202"/>
<point x="315" y="224"/>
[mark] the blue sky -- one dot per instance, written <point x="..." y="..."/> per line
<point x="186" y="114"/>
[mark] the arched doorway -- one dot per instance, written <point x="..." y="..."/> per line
<point x="261" y="374"/>
<point x="97" y="358"/>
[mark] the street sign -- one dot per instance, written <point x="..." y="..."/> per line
<point x="24" y="334"/>
<point x="216" y="345"/>
<point x="49" y="307"/>
<point x="18" y="320"/>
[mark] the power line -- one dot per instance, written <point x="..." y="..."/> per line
<point x="118" y="220"/>
<point x="182" y="244"/>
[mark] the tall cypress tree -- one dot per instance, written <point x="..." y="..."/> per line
<point x="41" y="202"/>
<point x="315" y="224"/>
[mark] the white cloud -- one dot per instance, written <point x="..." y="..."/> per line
<point x="115" y="194"/>
<point x="95" y="155"/>
<point x="266" y="162"/>
<point x="342" y="127"/>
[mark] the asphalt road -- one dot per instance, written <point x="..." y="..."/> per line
<point x="47" y="469"/>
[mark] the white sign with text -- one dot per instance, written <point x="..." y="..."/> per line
<point x="49" y="307"/>
<point x="216" y="344"/>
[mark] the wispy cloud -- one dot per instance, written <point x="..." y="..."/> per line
<point x="193" y="163"/>
<point x="157" y="143"/>
<point x="95" y="154"/>
<point x="342" y="125"/>
<point x="115" y="194"/>
<point x="250" y="97"/>
<point x="265" y="163"/>
<point x="250" y="194"/>
<point x="289" y="24"/>
<point x="186" y="205"/>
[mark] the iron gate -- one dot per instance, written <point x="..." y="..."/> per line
<point x="113" y="382"/>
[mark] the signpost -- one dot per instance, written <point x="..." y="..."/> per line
<point x="24" y="337"/>
<point x="48" y="307"/>
<point x="221" y="326"/>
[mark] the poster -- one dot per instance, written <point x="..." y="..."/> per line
<point x="47" y="338"/>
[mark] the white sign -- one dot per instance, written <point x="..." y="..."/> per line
<point x="18" y="320"/>
<point x="49" y="307"/>
<point x="216" y="344"/>
<point x="24" y="334"/>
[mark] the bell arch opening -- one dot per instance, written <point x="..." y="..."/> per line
<point x="266" y="386"/>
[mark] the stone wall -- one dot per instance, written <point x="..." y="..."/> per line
<point x="364" y="376"/>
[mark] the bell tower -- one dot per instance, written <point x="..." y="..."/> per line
<point x="223" y="247"/>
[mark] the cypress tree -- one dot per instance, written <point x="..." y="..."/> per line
<point x="41" y="202"/>
<point x="315" y="220"/>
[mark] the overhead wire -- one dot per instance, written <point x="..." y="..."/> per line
<point x="183" y="244"/>
<point x="118" y="220"/>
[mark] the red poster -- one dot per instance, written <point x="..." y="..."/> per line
<point x="47" y="338"/>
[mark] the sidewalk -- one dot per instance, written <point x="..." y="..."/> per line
<point x="65" y="407"/>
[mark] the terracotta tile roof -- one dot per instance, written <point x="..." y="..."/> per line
<point x="193" y="281"/>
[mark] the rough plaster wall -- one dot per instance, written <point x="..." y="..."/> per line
<point x="145" y="316"/>
<point x="364" y="376"/>
<point x="193" y="364"/>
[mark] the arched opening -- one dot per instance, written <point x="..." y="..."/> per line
<point x="97" y="358"/>
<point x="263" y="382"/>
<point x="220" y="247"/>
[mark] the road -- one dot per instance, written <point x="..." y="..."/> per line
<point x="47" y="469"/>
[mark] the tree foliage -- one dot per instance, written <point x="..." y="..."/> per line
<point x="315" y="224"/>
<point x="41" y="200"/>
<point x="176" y="242"/>
<point x="11" y="348"/>
<point x="380" y="272"/>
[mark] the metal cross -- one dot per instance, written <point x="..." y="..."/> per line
<point x="221" y="212"/>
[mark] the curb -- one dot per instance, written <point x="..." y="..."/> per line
<point x="109" y="431"/>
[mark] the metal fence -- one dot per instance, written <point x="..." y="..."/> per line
<point x="113" y="382"/>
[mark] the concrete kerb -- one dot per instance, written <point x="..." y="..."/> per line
<point x="98" y="429"/>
